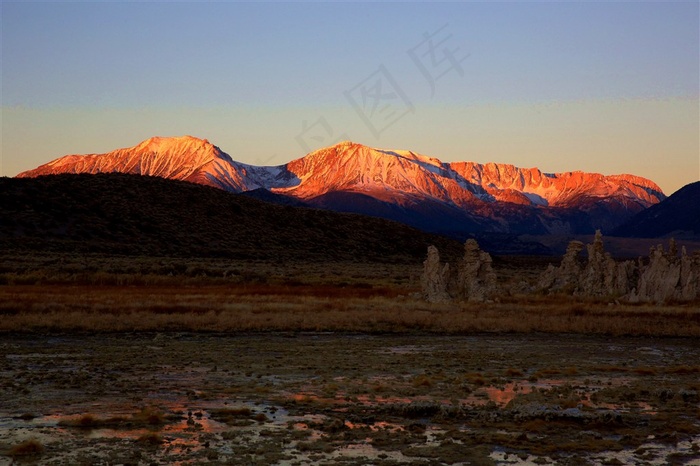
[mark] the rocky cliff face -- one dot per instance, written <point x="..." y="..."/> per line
<point x="401" y="185"/>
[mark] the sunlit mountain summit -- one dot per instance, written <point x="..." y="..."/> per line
<point x="445" y="197"/>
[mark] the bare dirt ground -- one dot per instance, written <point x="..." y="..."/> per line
<point x="350" y="399"/>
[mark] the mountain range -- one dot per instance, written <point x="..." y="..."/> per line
<point x="457" y="198"/>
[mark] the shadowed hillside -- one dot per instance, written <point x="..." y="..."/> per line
<point x="678" y="215"/>
<point x="131" y="214"/>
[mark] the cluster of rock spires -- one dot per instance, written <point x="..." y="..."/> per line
<point x="600" y="276"/>
<point x="475" y="280"/>
<point x="664" y="277"/>
<point x="669" y="277"/>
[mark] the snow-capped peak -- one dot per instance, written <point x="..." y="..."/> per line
<point x="393" y="176"/>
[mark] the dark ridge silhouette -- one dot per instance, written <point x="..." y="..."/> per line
<point x="678" y="215"/>
<point x="263" y="194"/>
<point x="140" y="215"/>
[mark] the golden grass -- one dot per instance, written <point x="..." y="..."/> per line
<point x="237" y="308"/>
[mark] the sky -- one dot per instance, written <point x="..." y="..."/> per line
<point x="606" y="87"/>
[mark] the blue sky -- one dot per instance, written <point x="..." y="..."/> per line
<point x="605" y="87"/>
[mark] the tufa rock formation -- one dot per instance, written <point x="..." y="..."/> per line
<point x="666" y="276"/>
<point x="599" y="276"/>
<point x="476" y="280"/>
<point x="566" y="276"/>
<point x="435" y="277"/>
<point x="602" y="276"/>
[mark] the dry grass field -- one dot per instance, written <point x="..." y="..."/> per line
<point x="104" y="293"/>
<point x="61" y="308"/>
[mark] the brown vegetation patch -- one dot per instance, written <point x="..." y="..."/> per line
<point x="147" y="416"/>
<point x="150" y="438"/>
<point x="29" y="447"/>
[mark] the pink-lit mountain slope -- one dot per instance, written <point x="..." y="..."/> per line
<point x="183" y="158"/>
<point x="457" y="198"/>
